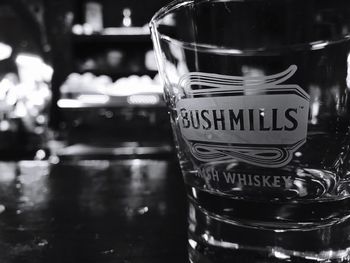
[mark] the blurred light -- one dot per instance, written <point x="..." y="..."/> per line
<point x="4" y="125"/>
<point x="77" y="29"/>
<point x="41" y="119"/>
<point x="205" y="236"/>
<point x="315" y="109"/>
<point x="54" y="159"/>
<point x="126" y="31"/>
<point x="192" y="243"/>
<point x="88" y="30"/>
<point x="313" y="258"/>
<point x="280" y="255"/>
<point x="94" y="98"/>
<point x="194" y="193"/>
<point x="20" y="110"/>
<point x="12" y="96"/>
<point x="2" y="208"/>
<point x="127" y="17"/>
<point x="39" y="130"/>
<point x="34" y="66"/>
<point x="126" y="21"/>
<point x="298" y="154"/>
<point x="8" y="172"/>
<point x="219" y="243"/>
<point x="150" y="60"/>
<point x="69" y="103"/>
<point x="124" y="87"/>
<point x="136" y="162"/>
<point x="348" y="72"/>
<point x="33" y="179"/>
<point x="143" y="99"/>
<point x="43" y="243"/>
<point x="96" y="164"/>
<point x="37" y="98"/>
<point x="169" y="20"/>
<point x="40" y="155"/>
<point x="28" y="60"/>
<point x="5" y="86"/>
<point x="94" y="15"/>
<point x="5" y="51"/>
<point x="142" y="210"/>
<point x="319" y="45"/>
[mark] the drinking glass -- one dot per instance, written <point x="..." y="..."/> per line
<point x="258" y="94"/>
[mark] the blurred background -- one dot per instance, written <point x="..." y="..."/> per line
<point x="87" y="167"/>
<point x="79" y="78"/>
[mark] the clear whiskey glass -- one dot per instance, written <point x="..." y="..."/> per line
<point x="258" y="94"/>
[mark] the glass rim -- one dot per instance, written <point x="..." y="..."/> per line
<point x="226" y="50"/>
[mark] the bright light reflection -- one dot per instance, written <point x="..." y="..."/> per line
<point x="192" y="243"/>
<point x="298" y="154"/>
<point x="24" y="59"/>
<point x="94" y="98"/>
<point x="78" y="30"/>
<point x="6" y="85"/>
<point x="143" y="99"/>
<point x="319" y="45"/>
<point x="32" y="179"/>
<point x="4" y="125"/>
<point x="20" y="110"/>
<point x="280" y="255"/>
<point x="219" y="243"/>
<point x="194" y="192"/>
<point x="315" y="109"/>
<point x="127" y="19"/>
<point x="8" y="172"/>
<point x="348" y="72"/>
<point x="5" y="51"/>
<point x="69" y="103"/>
<point x="136" y="162"/>
<point x="128" y="88"/>
<point x="34" y="66"/>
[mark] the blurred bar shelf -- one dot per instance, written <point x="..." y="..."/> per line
<point x="115" y="35"/>
<point x="126" y="150"/>
<point x="116" y="73"/>
<point x="140" y="101"/>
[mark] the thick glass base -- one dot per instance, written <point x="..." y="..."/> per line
<point x="212" y="239"/>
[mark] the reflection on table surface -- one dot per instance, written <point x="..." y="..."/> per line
<point x="92" y="211"/>
<point x="131" y="210"/>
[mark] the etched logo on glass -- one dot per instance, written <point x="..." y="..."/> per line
<point x="257" y="120"/>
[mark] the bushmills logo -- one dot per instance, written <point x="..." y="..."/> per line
<point x="258" y="120"/>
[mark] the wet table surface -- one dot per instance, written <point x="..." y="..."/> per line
<point x="92" y="211"/>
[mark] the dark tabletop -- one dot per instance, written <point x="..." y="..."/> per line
<point x="92" y="211"/>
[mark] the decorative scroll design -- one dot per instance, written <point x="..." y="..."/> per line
<point x="257" y="92"/>
<point x="224" y="84"/>
<point x="259" y="155"/>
